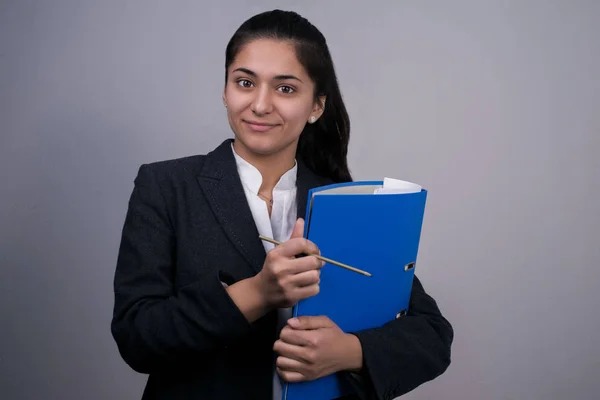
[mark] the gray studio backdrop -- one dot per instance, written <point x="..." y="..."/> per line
<point x="493" y="106"/>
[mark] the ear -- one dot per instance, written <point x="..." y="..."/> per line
<point x="318" y="107"/>
<point x="224" y="99"/>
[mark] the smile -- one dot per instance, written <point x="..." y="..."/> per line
<point x="259" y="126"/>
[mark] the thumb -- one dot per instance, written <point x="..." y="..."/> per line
<point x="310" y="322"/>
<point x="298" y="231"/>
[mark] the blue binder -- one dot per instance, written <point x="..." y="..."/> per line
<point x="377" y="233"/>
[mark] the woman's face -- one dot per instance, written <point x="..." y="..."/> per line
<point x="269" y="98"/>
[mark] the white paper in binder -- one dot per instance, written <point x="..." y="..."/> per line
<point x="397" y="186"/>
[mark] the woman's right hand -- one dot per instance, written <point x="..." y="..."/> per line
<point x="285" y="279"/>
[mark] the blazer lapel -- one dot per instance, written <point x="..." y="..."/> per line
<point x="224" y="192"/>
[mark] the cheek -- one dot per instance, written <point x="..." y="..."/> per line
<point x="236" y="101"/>
<point x="234" y="108"/>
<point x="295" y="114"/>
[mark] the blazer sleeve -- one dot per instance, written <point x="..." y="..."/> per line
<point x="154" y="325"/>
<point x="406" y="352"/>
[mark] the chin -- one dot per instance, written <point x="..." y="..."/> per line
<point x="263" y="147"/>
<point x="262" y="144"/>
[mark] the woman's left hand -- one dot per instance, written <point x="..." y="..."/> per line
<point x="312" y="347"/>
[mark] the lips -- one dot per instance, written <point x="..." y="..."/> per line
<point x="259" y="126"/>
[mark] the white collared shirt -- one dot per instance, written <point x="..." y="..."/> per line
<point x="279" y="226"/>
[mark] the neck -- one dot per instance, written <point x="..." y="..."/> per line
<point x="270" y="166"/>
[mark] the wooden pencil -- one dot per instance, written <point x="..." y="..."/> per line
<point x="328" y="260"/>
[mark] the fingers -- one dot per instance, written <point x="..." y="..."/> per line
<point x="289" y="364"/>
<point x="310" y="322"/>
<point x="296" y="246"/>
<point x="298" y="230"/>
<point x="305" y="278"/>
<point x="295" y="337"/>
<point x="308" y="263"/>
<point x="291" y="351"/>
<point x="301" y="286"/>
<point x="290" y="376"/>
<point x="305" y="293"/>
<point x="283" y="268"/>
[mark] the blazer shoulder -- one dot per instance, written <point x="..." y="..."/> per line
<point x="172" y="170"/>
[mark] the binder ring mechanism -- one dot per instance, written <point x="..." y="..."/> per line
<point x="407" y="267"/>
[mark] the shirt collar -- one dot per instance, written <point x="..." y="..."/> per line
<point x="252" y="178"/>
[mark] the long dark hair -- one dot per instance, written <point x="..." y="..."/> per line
<point x="323" y="145"/>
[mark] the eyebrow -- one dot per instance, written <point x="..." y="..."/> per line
<point x="276" y="77"/>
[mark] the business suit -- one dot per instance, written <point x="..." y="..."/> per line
<point x="189" y="229"/>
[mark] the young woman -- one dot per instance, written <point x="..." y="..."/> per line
<point x="201" y="304"/>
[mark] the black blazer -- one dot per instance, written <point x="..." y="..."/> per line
<point x="187" y="229"/>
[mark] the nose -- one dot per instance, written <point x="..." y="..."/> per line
<point x="262" y="103"/>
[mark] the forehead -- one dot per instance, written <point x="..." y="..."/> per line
<point x="268" y="58"/>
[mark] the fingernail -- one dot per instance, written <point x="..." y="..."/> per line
<point x="293" y="322"/>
